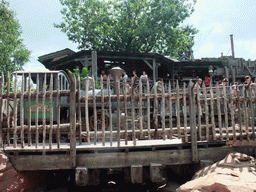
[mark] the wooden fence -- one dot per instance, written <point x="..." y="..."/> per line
<point x="123" y="116"/>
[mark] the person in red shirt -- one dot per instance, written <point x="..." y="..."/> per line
<point x="207" y="81"/>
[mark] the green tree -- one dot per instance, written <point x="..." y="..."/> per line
<point x="13" y="53"/>
<point x="128" y="25"/>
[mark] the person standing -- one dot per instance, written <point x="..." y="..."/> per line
<point x="125" y="76"/>
<point x="207" y="81"/>
<point x="144" y="76"/>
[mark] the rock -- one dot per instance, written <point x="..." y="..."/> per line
<point x="236" y="172"/>
<point x="9" y="178"/>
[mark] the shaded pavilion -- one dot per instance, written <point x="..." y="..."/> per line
<point x="155" y="65"/>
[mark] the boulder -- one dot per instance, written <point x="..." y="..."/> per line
<point x="9" y="178"/>
<point x="236" y="172"/>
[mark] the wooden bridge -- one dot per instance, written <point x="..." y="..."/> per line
<point x="54" y="127"/>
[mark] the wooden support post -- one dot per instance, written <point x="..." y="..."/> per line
<point x="73" y="121"/>
<point x="82" y="176"/>
<point x="156" y="172"/>
<point x="136" y="174"/>
<point x="192" y="116"/>
<point x="94" y="64"/>
<point x="1" y="109"/>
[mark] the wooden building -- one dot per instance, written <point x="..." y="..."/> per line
<point x="155" y="65"/>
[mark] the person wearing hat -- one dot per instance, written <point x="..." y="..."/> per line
<point x="224" y="82"/>
<point x="198" y="83"/>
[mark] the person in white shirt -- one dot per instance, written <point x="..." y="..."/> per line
<point x="125" y="76"/>
<point x="144" y="76"/>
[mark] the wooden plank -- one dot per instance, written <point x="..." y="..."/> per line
<point x="156" y="172"/>
<point x="206" y="112"/>
<point x="102" y="112"/>
<point x="225" y="109"/>
<point x="8" y="108"/>
<point x="82" y="176"/>
<point x="199" y="112"/>
<point x="15" y="113"/>
<point x="1" y="108"/>
<point x="136" y="173"/>
<point x="232" y="113"/>
<point x="170" y="109"/>
<point x="73" y="120"/>
<point x="44" y="118"/>
<point x="148" y="109"/>
<point x="22" y="111"/>
<point x="118" y="111"/>
<point x="155" y="111"/>
<point x="192" y="116"/>
<point x="94" y="111"/>
<point x="133" y="114"/>
<point x="58" y="111"/>
<point x="119" y="160"/>
<point x="185" y="111"/>
<point x="246" y="112"/>
<point x="239" y="113"/>
<point x="79" y="108"/>
<point x="125" y="111"/>
<point x="29" y="110"/>
<point x="51" y="112"/>
<point x="110" y="112"/>
<point x="219" y="111"/>
<point x="36" y="120"/>
<point x="140" y="110"/>
<point x="86" y="108"/>
<point x="252" y="112"/>
<point x="212" y="112"/>
<point x="40" y="94"/>
<point x="163" y="112"/>
<point x="178" y="107"/>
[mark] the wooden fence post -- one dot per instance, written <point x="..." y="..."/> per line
<point x="192" y="117"/>
<point x="73" y="120"/>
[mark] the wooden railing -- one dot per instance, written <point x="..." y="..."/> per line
<point x="120" y="117"/>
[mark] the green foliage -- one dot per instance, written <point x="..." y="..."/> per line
<point x="84" y="73"/>
<point x="13" y="53"/>
<point x="128" y="25"/>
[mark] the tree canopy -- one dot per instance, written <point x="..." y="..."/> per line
<point x="13" y="53"/>
<point x="128" y="25"/>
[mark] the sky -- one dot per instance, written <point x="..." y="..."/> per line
<point x="216" y="20"/>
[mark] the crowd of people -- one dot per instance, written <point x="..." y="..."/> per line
<point x="197" y="83"/>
